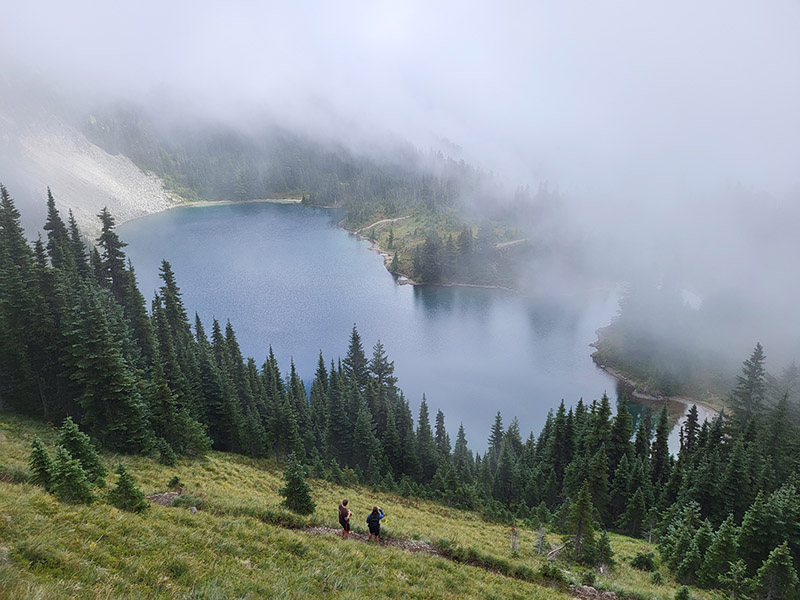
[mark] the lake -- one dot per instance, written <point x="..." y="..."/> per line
<point x="287" y="277"/>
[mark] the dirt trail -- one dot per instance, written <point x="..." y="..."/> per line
<point x="408" y="545"/>
<point x="381" y="222"/>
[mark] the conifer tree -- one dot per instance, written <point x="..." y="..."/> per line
<point x="621" y="434"/>
<point x="462" y="457"/>
<point x="750" y="392"/>
<point x="495" y="441"/>
<point x="69" y="482"/>
<point x="580" y="527"/>
<point x="721" y="553"/>
<point x="77" y="247"/>
<point x="17" y="382"/>
<point x="296" y="491"/>
<point x="365" y="444"/>
<point x="58" y="244"/>
<point x="355" y="363"/>
<point x="441" y="437"/>
<point x="113" y="269"/>
<point x="426" y="446"/>
<point x="125" y="495"/>
<point x="776" y="578"/>
<point x="41" y="465"/>
<point x="80" y="447"/>
<point x="659" y="454"/>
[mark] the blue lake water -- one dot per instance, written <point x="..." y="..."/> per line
<point x="286" y="276"/>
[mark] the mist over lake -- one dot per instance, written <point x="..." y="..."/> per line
<point x="287" y="277"/>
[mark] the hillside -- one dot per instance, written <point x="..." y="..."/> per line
<point x="242" y="543"/>
<point x="42" y="147"/>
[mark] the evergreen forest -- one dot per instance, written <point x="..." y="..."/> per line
<point x="79" y="345"/>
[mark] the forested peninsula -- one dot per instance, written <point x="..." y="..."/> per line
<point x="79" y="345"/>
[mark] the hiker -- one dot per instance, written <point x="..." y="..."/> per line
<point x="374" y="523"/>
<point x="344" y="519"/>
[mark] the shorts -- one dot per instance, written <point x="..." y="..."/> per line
<point x="375" y="529"/>
<point x="345" y="524"/>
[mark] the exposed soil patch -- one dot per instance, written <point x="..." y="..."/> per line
<point x="164" y="499"/>
<point x="587" y="592"/>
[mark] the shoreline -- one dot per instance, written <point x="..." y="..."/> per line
<point x="196" y="203"/>
<point x="403" y="279"/>
<point x="704" y="410"/>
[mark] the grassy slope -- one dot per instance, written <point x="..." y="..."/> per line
<point x="230" y="548"/>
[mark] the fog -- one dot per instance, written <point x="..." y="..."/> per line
<point x="671" y="130"/>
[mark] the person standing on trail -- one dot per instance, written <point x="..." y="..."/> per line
<point x="344" y="519"/>
<point x="374" y="523"/>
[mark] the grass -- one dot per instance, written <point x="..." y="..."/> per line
<point x="242" y="544"/>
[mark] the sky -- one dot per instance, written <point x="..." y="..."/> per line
<point x="658" y="121"/>
<point x="595" y="96"/>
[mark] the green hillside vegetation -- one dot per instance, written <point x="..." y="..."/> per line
<point x="78" y="349"/>
<point x="242" y="543"/>
<point x="202" y="162"/>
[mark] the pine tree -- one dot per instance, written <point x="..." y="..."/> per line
<point x="659" y="455"/>
<point x="426" y="446"/>
<point x="462" y="457"/>
<point x="580" y="527"/>
<point x="495" y="441"/>
<point x="365" y="444"/>
<point x="621" y="434"/>
<point x="750" y="392"/>
<point x="69" y="482"/>
<point x="441" y="437"/>
<point x="355" y="363"/>
<point x="41" y="465"/>
<point x="296" y="491"/>
<point x="80" y="447"/>
<point x="777" y="578"/>
<point x="113" y="270"/>
<point x="722" y="551"/>
<point x="125" y="495"/>
<point x="58" y="244"/>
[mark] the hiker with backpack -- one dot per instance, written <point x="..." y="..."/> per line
<point x="374" y="523"/>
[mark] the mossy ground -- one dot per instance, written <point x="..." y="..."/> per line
<point x="242" y="544"/>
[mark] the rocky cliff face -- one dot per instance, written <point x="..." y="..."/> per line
<point x="42" y="146"/>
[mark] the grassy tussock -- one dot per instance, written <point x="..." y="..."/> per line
<point x="243" y="543"/>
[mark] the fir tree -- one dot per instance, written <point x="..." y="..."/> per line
<point x="441" y="437"/>
<point x="750" y="392"/>
<point x="355" y="363"/>
<point x="70" y="483"/>
<point x="659" y="455"/>
<point x="125" y="495"/>
<point x="41" y="465"/>
<point x="296" y="491"/>
<point x="777" y="578"/>
<point x="722" y="551"/>
<point x="80" y="447"/>
<point x="580" y="527"/>
<point x="426" y="446"/>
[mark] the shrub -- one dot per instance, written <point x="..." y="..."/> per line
<point x="657" y="578"/>
<point x="644" y="561"/>
<point x="126" y="496"/>
<point x="683" y="593"/>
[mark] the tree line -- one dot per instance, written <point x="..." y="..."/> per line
<point x="77" y="340"/>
